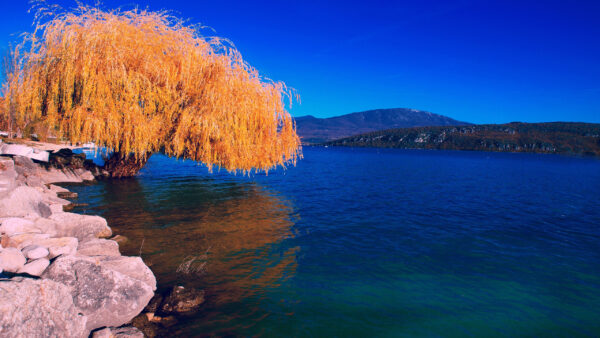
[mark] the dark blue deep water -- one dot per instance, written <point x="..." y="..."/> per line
<point x="368" y="242"/>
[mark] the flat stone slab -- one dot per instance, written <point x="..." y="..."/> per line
<point x="99" y="247"/>
<point x="23" y="150"/>
<point x="36" y="267"/>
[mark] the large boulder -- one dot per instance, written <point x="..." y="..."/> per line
<point x="107" y="297"/>
<point x="38" y="308"/>
<point x="133" y="267"/>
<point x="24" y="201"/>
<point x="16" y="225"/>
<point x="82" y="227"/>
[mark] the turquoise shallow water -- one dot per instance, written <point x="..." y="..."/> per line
<point x="368" y="242"/>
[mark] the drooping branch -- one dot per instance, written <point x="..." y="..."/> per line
<point x="136" y="82"/>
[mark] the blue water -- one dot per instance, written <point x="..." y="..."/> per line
<point x="368" y="242"/>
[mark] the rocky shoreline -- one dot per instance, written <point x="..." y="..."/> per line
<point x="61" y="274"/>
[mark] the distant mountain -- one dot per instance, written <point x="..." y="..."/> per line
<point x="318" y="130"/>
<point x="551" y="137"/>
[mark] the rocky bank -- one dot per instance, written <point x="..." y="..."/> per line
<point x="60" y="273"/>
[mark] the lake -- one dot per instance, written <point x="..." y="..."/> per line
<point x="371" y="242"/>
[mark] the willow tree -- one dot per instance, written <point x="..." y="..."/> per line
<point x="138" y="82"/>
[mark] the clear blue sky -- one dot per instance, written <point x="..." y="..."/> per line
<point x="476" y="61"/>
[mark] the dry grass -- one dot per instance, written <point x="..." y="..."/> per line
<point x="139" y="81"/>
<point x="194" y="264"/>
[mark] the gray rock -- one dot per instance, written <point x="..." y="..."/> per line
<point x="105" y="296"/>
<point x="47" y="226"/>
<point x="11" y="259"/>
<point x="54" y="175"/>
<point x="36" y="267"/>
<point x="6" y="164"/>
<point x="81" y="227"/>
<point x="22" y="240"/>
<point x="57" y="208"/>
<point x="35" y="251"/>
<point x="25" y="166"/>
<point x="84" y="174"/>
<point x="56" y="188"/>
<point x="59" y="246"/>
<point x="34" y="181"/>
<point x="20" y="150"/>
<point x="38" y="308"/>
<point x="17" y="225"/>
<point x="133" y="267"/>
<point x="103" y="333"/>
<point x="24" y="201"/>
<point x="99" y="247"/>
<point x="7" y="176"/>
<point x="118" y="332"/>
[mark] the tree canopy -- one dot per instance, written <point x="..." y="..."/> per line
<point x="138" y="82"/>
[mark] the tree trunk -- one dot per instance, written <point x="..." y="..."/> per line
<point x="120" y="165"/>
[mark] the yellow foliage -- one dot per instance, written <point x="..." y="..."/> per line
<point x="139" y="82"/>
<point x="3" y="116"/>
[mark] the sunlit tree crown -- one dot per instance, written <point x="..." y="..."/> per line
<point x="139" y="82"/>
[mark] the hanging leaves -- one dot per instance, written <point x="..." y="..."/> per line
<point x="140" y="82"/>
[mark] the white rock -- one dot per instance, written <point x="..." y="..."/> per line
<point x="22" y="240"/>
<point x="107" y="297"/>
<point x="15" y="149"/>
<point x="16" y="225"/>
<point x="35" y="251"/>
<point x="38" y="308"/>
<point x="8" y="176"/>
<point x="54" y="175"/>
<point x="40" y="155"/>
<point x="11" y="259"/>
<point x="57" y="188"/>
<point x="24" y="201"/>
<point x="36" y="267"/>
<point x="99" y="247"/>
<point x="85" y="175"/>
<point x="133" y="267"/>
<point x="59" y="246"/>
<point x="104" y="333"/>
<point x="82" y="227"/>
<point x="118" y="332"/>
<point x="56" y="208"/>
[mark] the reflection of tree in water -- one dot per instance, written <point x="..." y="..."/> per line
<point x="238" y="225"/>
